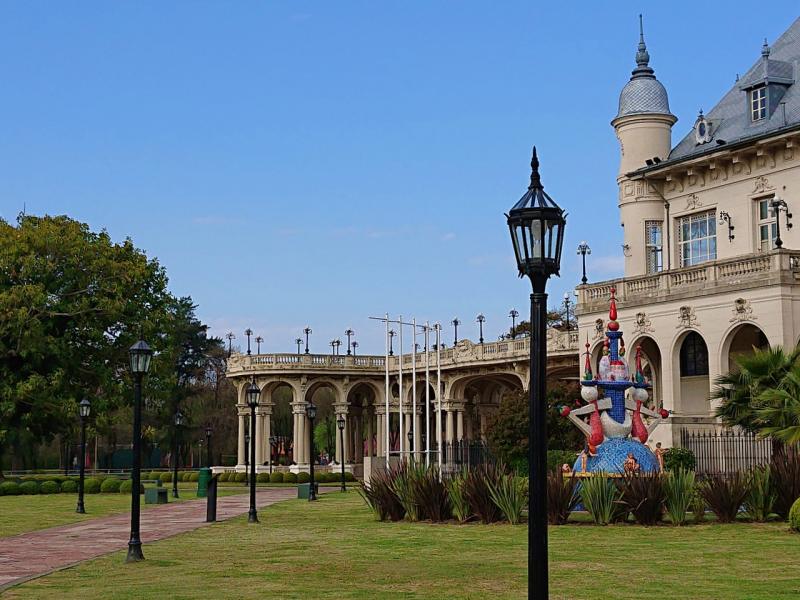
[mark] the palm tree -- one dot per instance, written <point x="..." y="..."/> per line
<point x="778" y="410"/>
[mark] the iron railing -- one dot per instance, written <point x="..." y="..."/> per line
<point x="465" y="454"/>
<point x="726" y="451"/>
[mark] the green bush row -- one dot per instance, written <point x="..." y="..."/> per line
<point x="91" y="485"/>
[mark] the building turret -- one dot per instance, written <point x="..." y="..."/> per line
<point x="644" y="128"/>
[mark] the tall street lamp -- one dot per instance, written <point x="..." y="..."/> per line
<point x="252" y="394"/>
<point x="340" y="425"/>
<point x="354" y="345"/>
<point x="392" y="333"/>
<point x="349" y="333"/>
<point x="259" y="339"/>
<point x="84" y="407"/>
<point x="481" y="320"/>
<point x="566" y="308"/>
<point x="209" y="431"/>
<point x="455" y="323"/>
<point x="230" y="338"/>
<point x="513" y="314"/>
<point x="311" y="412"/>
<point x="248" y="332"/>
<point x="273" y="443"/>
<point x="537" y="225"/>
<point x="140" y="355"/>
<point x="332" y="344"/>
<point x="247" y="455"/>
<point x="178" y="421"/>
<point x="298" y="341"/>
<point x="308" y="332"/>
<point x="583" y="250"/>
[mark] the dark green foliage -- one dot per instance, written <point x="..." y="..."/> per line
<point x="290" y="477"/>
<point x="557" y="458"/>
<point x="263" y="478"/>
<point x="477" y="489"/>
<point x="679" y="458"/>
<point x="724" y="495"/>
<point x="185" y="476"/>
<point x="29" y="488"/>
<point x="643" y="495"/>
<point x="276" y="477"/>
<point x="111" y="486"/>
<point x="403" y="478"/>
<point x="509" y="495"/>
<point x="679" y="489"/>
<point x="458" y="498"/>
<point x="794" y="516"/>
<point x="600" y="497"/>
<point x="222" y="477"/>
<point x="194" y="476"/>
<point x="380" y="496"/>
<point x="166" y="477"/>
<point x="126" y="487"/>
<point x="69" y="487"/>
<point x="698" y="504"/>
<point x="785" y="478"/>
<point x="562" y="496"/>
<point x="760" y="495"/>
<point x="348" y="476"/>
<point x="303" y="477"/>
<point x="240" y="478"/>
<point x="50" y="487"/>
<point x="429" y="491"/>
<point x="9" y="488"/>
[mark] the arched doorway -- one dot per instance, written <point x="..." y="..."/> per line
<point x="741" y="341"/>
<point x="693" y="374"/>
<point x="651" y="366"/>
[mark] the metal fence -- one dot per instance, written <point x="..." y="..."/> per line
<point x="465" y="453"/>
<point x="726" y="451"/>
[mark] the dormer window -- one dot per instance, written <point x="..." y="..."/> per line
<point x="758" y="103"/>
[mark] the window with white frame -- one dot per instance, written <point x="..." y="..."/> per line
<point x="758" y="103"/>
<point x="653" y="246"/>
<point x="697" y="238"/>
<point x="767" y="225"/>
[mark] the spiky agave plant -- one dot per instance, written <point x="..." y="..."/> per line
<point x="600" y="496"/>
<point x="477" y="486"/>
<point x="724" y="495"/>
<point x="679" y="492"/>
<point x="458" y="497"/>
<point x="508" y="494"/>
<point x="562" y="496"/>
<point x="761" y="494"/>
<point x="643" y="496"/>
<point x="429" y="494"/>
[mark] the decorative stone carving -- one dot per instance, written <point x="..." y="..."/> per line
<point x="686" y="317"/>
<point x="742" y="311"/>
<point x="642" y="324"/>
<point x="693" y="202"/>
<point x="599" y="328"/>
<point x="761" y="185"/>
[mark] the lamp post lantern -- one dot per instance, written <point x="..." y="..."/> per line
<point x="252" y="395"/>
<point x="536" y="224"/>
<point x="259" y="339"/>
<point x="84" y="408"/>
<point x="583" y="250"/>
<point x="354" y="345"/>
<point x="349" y="333"/>
<point x="230" y="338"/>
<point x="455" y="323"/>
<point x="177" y="420"/>
<point x="340" y="425"/>
<point x="567" y="304"/>
<point x="298" y="341"/>
<point x="332" y="344"/>
<point x="209" y="431"/>
<point x="481" y="320"/>
<point x="513" y="314"/>
<point x="273" y="443"/>
<point x="311" y="413"/>
<point x="140" y="355"/>
<point x="392" y="333"/>
<point x="247" y="454"/>
<point x="248" y="332"/>
<point x="308" y="332"/>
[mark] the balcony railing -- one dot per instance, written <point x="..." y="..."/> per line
<point x="782" y="266"/>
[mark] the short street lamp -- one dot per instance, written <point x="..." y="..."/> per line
<point x="583" y="250"/>
<point x="259" y="339"/>
<point x="392" y="333"/>
<point x="209" y="431"/>
<point x="340" y="425"/>
<point x="481" y="320"/>
<point x="354" y="345"/>
<point x="230" y="337"/>
<point x="84" y="407"/>
<point x="455" y="323"/>
<point x="248" y="332"/>
<point x="178" y="421"/>
<point x="537" y="225"/>
<point x="140" y="355"/>
<point x="273" y="443"/>
<point x="247" y="455"/>
<point x="311" y="412"/>
<point x="298" y="341"/>
<point x="567" y="304"/>
<point x="308" y="332"/>
<point x="252" y="395"/>
<point x="513" y="314"/>
<point x="332" y="344"/>
<point x="349" y="333"/>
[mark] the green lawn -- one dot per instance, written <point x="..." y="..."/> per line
<point x="19" y="514"/>
<point x="335" y="549"/>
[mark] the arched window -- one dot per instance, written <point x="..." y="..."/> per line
<point x="694" y="356"/>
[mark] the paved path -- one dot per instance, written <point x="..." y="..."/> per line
<point x="37" y="553"/>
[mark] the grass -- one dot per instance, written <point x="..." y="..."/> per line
<point x="20" y="514"/>
<point x="335" y="549"/>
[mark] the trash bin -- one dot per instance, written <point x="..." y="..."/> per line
<point x="203" y="478"/>
<point x="304" y="488"/>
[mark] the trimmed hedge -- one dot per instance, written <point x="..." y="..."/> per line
<point x="290" y="478"/>
<point x="91" y="486"/>
<point x="303" y="477"/>
<point x="110" y="486"/>
<point x="794" y="516"/>
<point x="50" y="487"/>
<point x="126" y="487"/>
<point x="348" y="476"/>
<point x="679" y="458"/>
<point x="165" y="477"/>
<point x="263" y="478"/>
<point x="194" y="476"/>
<point x="276" y="477"/>
<point x="69" y="487"/>
<point x="29" y="488"/>
<point x="241" y="477"/>
<point x="9" y="488"/>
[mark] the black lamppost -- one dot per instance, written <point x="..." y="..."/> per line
<point x="311" y="412"/>
<point x="248" y="332"/>
<point x="252" y="394"/>
<point x="537" y="225"/>
<point x="455" y="323"/>
<point x="177" y="420"/>
<point x="513" y="314"/>
<point x="308" y="332"/>
<point x="340" y="424"/>
<point x="273" y="443"/>
<point x="566" y="308"/>
<point x="779" y="205"/>
<point x="209" y="431"/>
<point x="354" y="345"/>
<point x="392" y="333"/>
<point x="259" y="339"/>
<point x="332" y="344"/>
<point x="230" y="338"/>
<point x="247" y="455"/>
<point x="583" y="250"/>
<point x="84" y="407"/>
<point x="481" y="320"/>
<point x="298" y="341"/>
<point x="140" y="355"/>
<point x="349" y="333"/>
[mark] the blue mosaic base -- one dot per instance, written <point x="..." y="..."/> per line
<point x="612" y="453"/>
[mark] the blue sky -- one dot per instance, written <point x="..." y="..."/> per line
<point x="296" y="163"/>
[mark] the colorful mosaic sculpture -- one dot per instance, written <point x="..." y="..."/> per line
<point x="616" y="418"/>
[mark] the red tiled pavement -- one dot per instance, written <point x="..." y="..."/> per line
<point x="33" y="554"/>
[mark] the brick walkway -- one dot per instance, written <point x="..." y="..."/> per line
<point x="37" y="553"/>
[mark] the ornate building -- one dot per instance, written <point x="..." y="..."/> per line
<point x="710" y="270"/>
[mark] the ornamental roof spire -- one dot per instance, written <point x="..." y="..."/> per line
<point x="643" y="68"/>
<point x="536" y="180"/>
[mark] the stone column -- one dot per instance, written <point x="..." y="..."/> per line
<point x="460" y="424"/>
<point x="346" y="450"/>
<point x="241" y="448"/>
<point x="483" y="424"/>
<point x="380" y="434"/>
<point x="418" y="448"/>
<point x="267" y="435"/>
<point x="358" y="440"/>
<point x="370" y="434"/>
<point x="258" y="439"/>
<point x="449" y="428"/>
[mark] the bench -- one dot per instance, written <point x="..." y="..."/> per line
<point x="155" y="495"/>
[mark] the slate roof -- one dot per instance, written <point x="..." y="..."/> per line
<point x="730" y="118"/>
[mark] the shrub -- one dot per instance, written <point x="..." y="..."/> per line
<point x="429" y="493"/>
<point x="156" y="475"/>
<point x="348" y="476"/>
<point x="679" y="488"/>
<point x="165" y="477"/>
<point x="185" y="476"/>
<point x="290" y="478"/>
<point x="223" y="476"/>
<point x="111" y="486"/>
<point x="458" y="498"/>
<point x="562" y="496"/>
<point x="239" y="478"/>
<point x="698" y="505"/>
<point x="785" y="476"/>
<point x="679" y="458"/>
<point x="28" y="488"/>
<point x="509" y="496"/>
<point x="194" y="476"/>
<point x="326" y="477"/>
<point x="643" y="496"/>
<point x="556" y="458"/>
<point x="794" y="516"/>
<point x="724" y="495"/>
<point x="477" y="486"/>
<point x="599" y="496"/>
<point x="403" y="483"/>
<point x="380" y="496"/>
<point x="9" y="488"/>
<point x="761" y="494"/>
<point x="276" y="477"/>
<point x="69" y="487"/>
<point x="126" y="487"/>
<point x="50" y="487"/>
<point x="263" y="478"/>
<point x="303" y="477"/>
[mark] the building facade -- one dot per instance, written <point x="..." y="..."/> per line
<point x="711" y="269"/>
